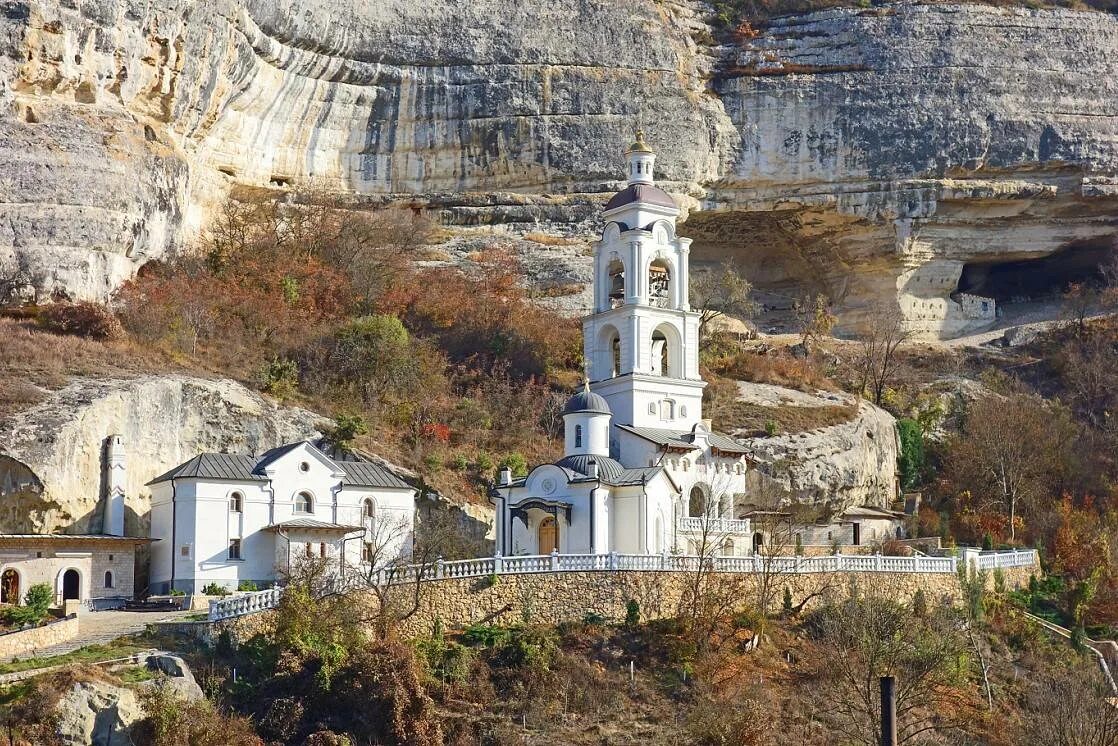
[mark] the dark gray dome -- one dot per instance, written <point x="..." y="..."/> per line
<point x="586" y="401"/>
<point x="647" y="193"/>
<point x="607" y="467"/>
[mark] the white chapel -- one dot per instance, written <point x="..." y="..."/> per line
<point x="642" y="472"/>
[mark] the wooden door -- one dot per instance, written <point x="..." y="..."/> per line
<point x="549" y="535"/>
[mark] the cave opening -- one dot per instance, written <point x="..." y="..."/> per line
<point x="1045" y="278"/>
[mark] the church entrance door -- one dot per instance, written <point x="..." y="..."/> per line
<point x="70" y="581"/>
<point x="549" y="535"/>
<point x="9" y="587"/>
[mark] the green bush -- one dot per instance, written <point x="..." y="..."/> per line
<point x="460" y="462"/>
<point x="280" y="377"/>
<point x="346" y="429"/>
<point x="36" y="605"/>
<point x="215" y="589"/>
<point x="911" y="461"/>
<point x="516" y="462"/>
<point x="632" y="613"/>
<point x="247" y="585"/>
<point x="787" y="603"/>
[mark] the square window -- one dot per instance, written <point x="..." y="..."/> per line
<point x="235" y="549"/>
<point x="110" y="558"/>
<point x="184" y="550"/>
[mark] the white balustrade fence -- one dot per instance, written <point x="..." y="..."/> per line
<point x="244" y="603"/>
<point x="1009" y="558"/>
<point x="555" y="562"/>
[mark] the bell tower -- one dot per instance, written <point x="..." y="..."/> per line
<point x="642" y="340"/>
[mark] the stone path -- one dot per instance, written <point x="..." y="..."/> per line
<point x="99" y="627"/>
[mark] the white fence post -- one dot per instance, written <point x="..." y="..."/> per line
<point x="498" y="564"/>
<point x="613" y="561"/>
<point x="554" y="560"/>
<point x="439" y="567"/>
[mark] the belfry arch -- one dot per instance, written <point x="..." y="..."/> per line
<point x="666" y="351"/>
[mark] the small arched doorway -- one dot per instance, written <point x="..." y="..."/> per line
<point x="548" y="535"/>
<point x="696" y="504"/>
<point x="9" y="587"/>
<point x="71" y="585"/>
<point x="758" y="542"/>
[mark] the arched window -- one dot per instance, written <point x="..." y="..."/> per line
<point x="696" y="505"/>
<point x="368" y="509"/>
<point x="758" y="541"/>
<point x="367" y="551"/>
<point x="659" y="284"/>
<point x="236" y="502"/>
<point x="322" y="550"/>
<point x="304" y="503"/>
<point x="667" y="410"/>
<point x="578" y="436"/>
<point x="108" y="578"/>
<point x="659" y="354"/>
<point x="615" y="357"/>
<point x="615" y="274"/>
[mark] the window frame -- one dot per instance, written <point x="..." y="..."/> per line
<point x="234" y="550"/>
<point x="300" y="497"/>
<point x="236" y="502"/>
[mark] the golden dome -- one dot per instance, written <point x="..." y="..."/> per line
<point x="640" y="146"/>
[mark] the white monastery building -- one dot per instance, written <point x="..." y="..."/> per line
<point x="231" y="519"/>
<point x="643" y="472"/>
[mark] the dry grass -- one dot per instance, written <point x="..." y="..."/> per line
<point x="33" y="360"/>
<point x="777" y="368"/>
<point x="549" y="239"/>
<point x="758" y="420"/>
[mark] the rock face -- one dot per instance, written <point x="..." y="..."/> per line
<point x="844" y="465"/>
<point x="51" y="459"/>
<point x="894" y="155"/>
<point x="96" y="712"/>
<point x="896" y="145"/>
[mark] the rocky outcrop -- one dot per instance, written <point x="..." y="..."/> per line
<point x="165" y="420"/>
<point x="887" y="152"/>
<point x="97" y="712"/>
<point x="890" y="155"/>
<point x="839" y="466"/>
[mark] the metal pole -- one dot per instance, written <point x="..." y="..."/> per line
<point x="888" y="711"/>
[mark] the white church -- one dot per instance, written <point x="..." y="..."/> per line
<point x="233" y="519"/>
<point x="643" y="472"/>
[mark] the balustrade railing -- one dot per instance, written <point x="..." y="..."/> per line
<point x="248" y="603"/>
<point x="715" y="526"/>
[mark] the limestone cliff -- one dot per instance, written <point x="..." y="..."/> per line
<point x="840" y="465"/>
<point x="51" y="458"/>
<point x="895" y="154"/>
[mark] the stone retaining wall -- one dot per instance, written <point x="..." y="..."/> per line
<point x="26" y="642"/>
<point x="553" y="597"/>
<point x="550" y="598"/>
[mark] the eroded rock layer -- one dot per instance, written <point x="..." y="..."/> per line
<point x="52" y="466"/>
<point x="883" y="156"/>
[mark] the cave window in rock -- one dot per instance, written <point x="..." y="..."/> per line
<point x="997" y="285"/>
<point x="660" y="284"/>
<point x="615" y="275"/>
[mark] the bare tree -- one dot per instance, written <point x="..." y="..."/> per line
<point x="877" y="348"/>
<point x="720" y="292"/>
<point x="1071" y="707"/>
<point x="1009" y="450"/>
<point x="867" y="636"/>
<point x="814" y="319"/>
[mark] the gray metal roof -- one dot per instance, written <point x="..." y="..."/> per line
<point x="580" y="463"/>
<point x="311" y="524"/>
<point x="237" y="468"/>
<point x="225" y="466"/>
<point x="647" y="193"/>
<point x="367" y="474"/>
<point x="684" y="438"/>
